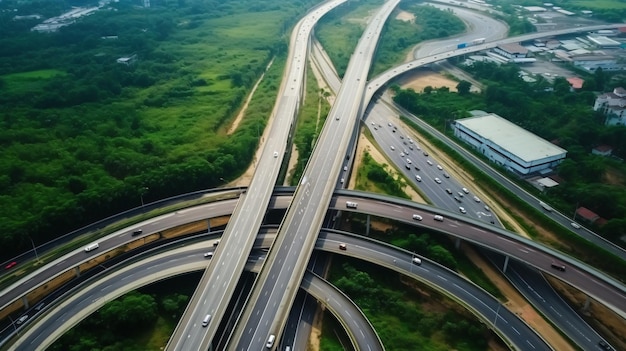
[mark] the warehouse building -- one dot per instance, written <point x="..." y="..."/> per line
<point x="509" y="145"/>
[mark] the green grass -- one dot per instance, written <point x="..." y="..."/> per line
<point x="29" y="82"/>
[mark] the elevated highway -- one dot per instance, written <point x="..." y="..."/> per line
<point x="221" y="277"/>
<point x="188" y="257"/>
<point x="276" y="288"/>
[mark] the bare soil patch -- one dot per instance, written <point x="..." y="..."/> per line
<point x="419" y="79"/>
<point x="614" y="177"/>
<point x="405" y="16"/>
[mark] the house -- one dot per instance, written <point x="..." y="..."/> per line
<point x="613" y="106"/>
<point x="602" y="150"/>
<point x="575" y="82"/>
<point x="586" y="214"/>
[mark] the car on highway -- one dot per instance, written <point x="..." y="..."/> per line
<point x="487" y="208"/>
<point x="457" y="199"/>
<point x="402" y="154"/>
<point x="416" y="260"/>
<point x="22" y="319"/>
<point x="439" y="167"/>
<point x="401" y="137"/>
<point x="446" y="175"/>
<point x="417" y="217"/>
<point x="92" y="247"/>
<point x="275" y="154"/>
<point x="342" y="246"/>
<point x="604" y="345"/>
<point x="208" y="254"/>
<point x="448" y="191"/>
<point x="270" y="341"/>
<point x="411" y="147"/>
<point x="575" y="225"/>
<point x="418" y="178"/>
<point x="137" y="232"/>
<point x="425" y="153"/>
<point x="462" y="210"/>
<point x="389" y="124"/>
<point x="10" y="265"/>
<point x="438" y="218"/>
<point x="437" y="180"/>
<point x="476" y="199"/>
<point x="393" y="148"/>
<point x="558" y="266"/>
<point x="417" y="168"/>
<point x="408" y="160"/>
<point x="429" y="163"/>
<point x="206" y="320"/>
<point x="465" y="190"/>
<point x="408" y="166"/>
<point x="345" y="168"/>
<point x="215" y="243"/>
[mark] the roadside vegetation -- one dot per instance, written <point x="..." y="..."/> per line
<point x="141" y="320"/>
<point x="311" y="118"/>
<point x="400" y="36"/>
<point x="84" y="137"/>
<point x="406" y="314"/>
<point x="613" y="11"/>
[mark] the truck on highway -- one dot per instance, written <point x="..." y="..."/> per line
<point x="461" y="45"/>
<point x="478" y="41"/>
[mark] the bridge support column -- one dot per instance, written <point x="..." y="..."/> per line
<point x="77" y="271"/>
<point x="367" y="226"/>
<point x="506" y="263"/>
<point x="25" y="302"/>
<point x="457" y="243"/>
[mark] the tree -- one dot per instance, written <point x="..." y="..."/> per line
<point x="463" y="87"/>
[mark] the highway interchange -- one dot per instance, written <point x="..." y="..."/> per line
<point x="330" y="175"/>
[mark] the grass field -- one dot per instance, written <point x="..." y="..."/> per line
<point x="31" y="81"/>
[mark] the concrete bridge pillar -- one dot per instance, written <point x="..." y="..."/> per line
<point x="457" y="243"/>
<point x="25" y="302"/>
<point x="506" y="263"/>
<point x="586" y="305"/>
<point x="77" y="271"/>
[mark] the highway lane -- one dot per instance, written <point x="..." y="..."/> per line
<point x="603" y="288"/>
<point x="536" y="289"/>
<point x="478" y="25"/>
<point x="273" y="294"/>
<point x="596" y="284"/>
<point x="487" y="308"/>
<point x="222" y="275"/>
<point x="188" y="258"/>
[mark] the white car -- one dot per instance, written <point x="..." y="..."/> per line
<point x="402" y="154"/>
<point x="575" y="225"/>
<point x="476" y="199"/>
<point x="408" y="160"/>
<point x="418" y="178"/>
<point x="392" y="148"/>
<point x="439" y="167"/>
<point x="487" y="208"/>
<point x="275" y="154"/>
<point x="429" y="163"/>
<point x="462" y="210"/>
<point x="416" y="261"/>
<point x="437" y="180"/>
<point x="417" y="217"/>
<point x="465" y="190"/>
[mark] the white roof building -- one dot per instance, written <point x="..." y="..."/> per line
<point x="613" y="106"/>
<point x="509" y="145"/>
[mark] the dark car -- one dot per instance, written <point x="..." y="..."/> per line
<point x="604" y="345"/>
<point x="137" y="232"/>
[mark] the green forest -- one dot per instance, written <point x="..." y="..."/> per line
<point x="555" y="113"/>
<point x="84" y="137"/>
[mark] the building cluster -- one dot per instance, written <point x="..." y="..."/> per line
<point x="53" y="24"/>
